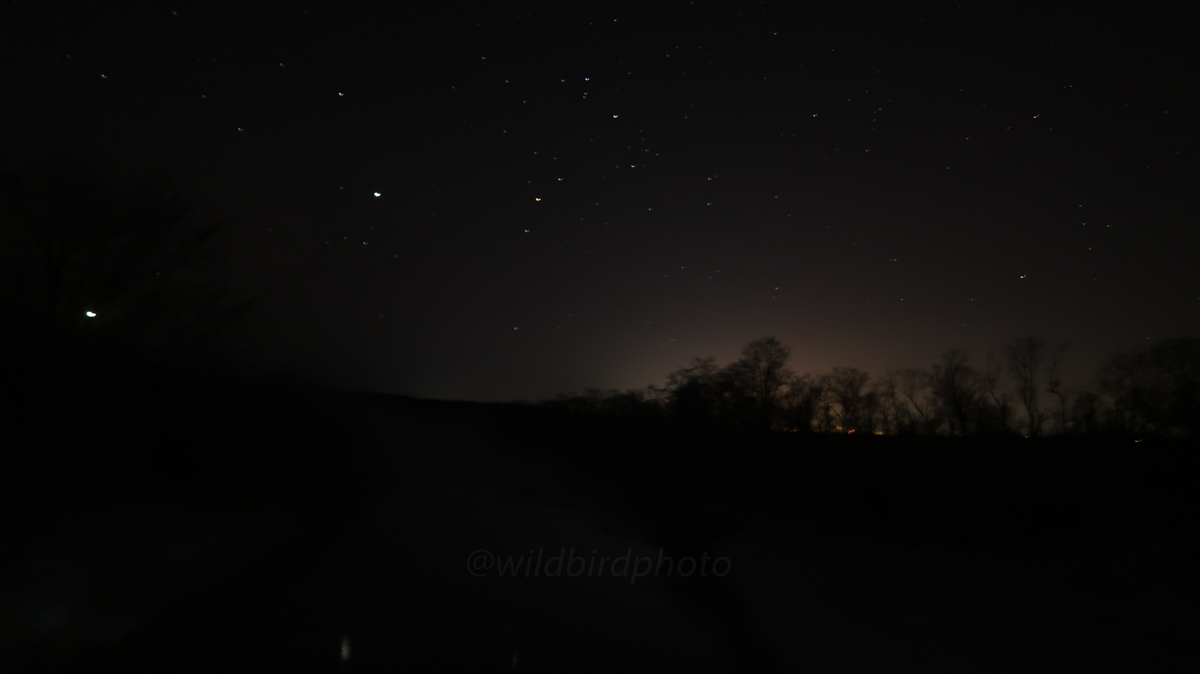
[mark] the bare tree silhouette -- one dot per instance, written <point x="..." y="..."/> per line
<point x="1055" y="386"/>
<point x="89" y="262"/>
<point x="992" y="381"/>
<point x="1024" y="358"/>
<point x="1156" y="390"/>
<point x="799" y="404"/>
<point x="1086" y="411"/>
<point x="694" y="393"/>
<point x="846" y="384"/>
<point x="955" y="385"/>
<point x="760" y="378"/>
<point x="914" y="386"/>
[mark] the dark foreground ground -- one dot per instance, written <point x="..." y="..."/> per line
<point x="325" y="524"/>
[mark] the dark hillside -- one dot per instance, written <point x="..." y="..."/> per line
<point x="865" y="552"/>
<point x="1097" y="532"/>
<point x="130" y="491"/>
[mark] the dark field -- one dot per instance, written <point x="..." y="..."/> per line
<point x="164" y="532"/>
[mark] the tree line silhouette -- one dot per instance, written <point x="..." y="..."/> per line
<point x="1018" y="391"/>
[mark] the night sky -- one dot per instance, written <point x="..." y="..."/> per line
<point x="514" y="200"/>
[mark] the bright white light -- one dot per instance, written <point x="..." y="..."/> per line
<point x="378" y="194"/>
<point x="89" y="314"/>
